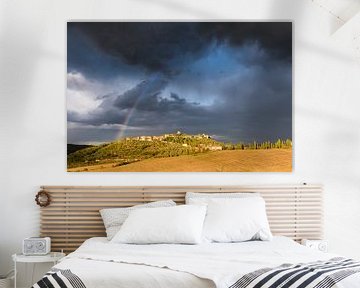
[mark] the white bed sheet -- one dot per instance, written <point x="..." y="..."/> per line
<point x="101" y="274"/>
<point x="100" y="263"/>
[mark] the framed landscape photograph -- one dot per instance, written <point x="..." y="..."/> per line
<point x="179" y="96"/>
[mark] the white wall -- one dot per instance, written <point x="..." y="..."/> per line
<point x="32" y="117"/>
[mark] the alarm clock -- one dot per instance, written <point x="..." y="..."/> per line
<point x="320" y="245"/>
<point x="36" y="246"/>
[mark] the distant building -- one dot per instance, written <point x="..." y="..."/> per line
<point x="201" y="136"/>
<point x="214" y="148"/>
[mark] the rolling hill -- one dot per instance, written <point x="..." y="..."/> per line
<point x="71" y="148"/>
<point x="129" y="150"/>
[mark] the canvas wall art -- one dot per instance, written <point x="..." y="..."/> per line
<point x="179" y="96"/>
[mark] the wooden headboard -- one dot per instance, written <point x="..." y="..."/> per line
<point x="73" y="215"/>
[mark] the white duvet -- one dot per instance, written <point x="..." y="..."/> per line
<point x="100" y="263"/>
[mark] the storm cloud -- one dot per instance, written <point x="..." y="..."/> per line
<point x="231" y="80"/>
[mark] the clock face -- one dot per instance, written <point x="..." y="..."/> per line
<point x="323" y="247"/>
<point x="40" y="245"/>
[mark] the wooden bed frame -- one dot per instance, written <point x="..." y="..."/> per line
<point x="73" y="215"/>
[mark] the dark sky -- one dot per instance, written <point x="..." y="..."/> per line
<point x="231" y="80"/>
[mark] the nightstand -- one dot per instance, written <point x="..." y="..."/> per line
<point x="53" y="257"/>
<point x="320" y="245"/>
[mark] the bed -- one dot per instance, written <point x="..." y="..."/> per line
<point x="282" y="262"/>
<point x="99" y="263"/>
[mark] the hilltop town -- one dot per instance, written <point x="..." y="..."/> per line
<point x="183" y="139"/>
<point x="164" y="136"/>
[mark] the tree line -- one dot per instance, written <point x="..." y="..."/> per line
<point x="278" y="144"/>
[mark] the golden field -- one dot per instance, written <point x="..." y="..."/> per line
<point x="262" y="160"/>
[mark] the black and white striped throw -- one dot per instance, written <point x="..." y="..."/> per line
<point x="58" y="278"/>
<point x="320" y="274"/>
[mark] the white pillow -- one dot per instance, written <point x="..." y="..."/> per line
<point x="236" y="220"/>
<point x="180" y="224"/>
<point x="113" y="218"/>
<point x="204" y="198"/>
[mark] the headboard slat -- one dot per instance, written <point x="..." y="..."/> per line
<point x="73" y="216"/>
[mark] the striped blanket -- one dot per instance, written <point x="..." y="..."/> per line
<point x="59" y="278"/>
<point x="320" y="274"/>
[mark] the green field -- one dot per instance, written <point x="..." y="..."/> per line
<point x="262" y="160"/>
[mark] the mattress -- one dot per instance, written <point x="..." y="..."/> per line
<point x="99" y="263"/>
